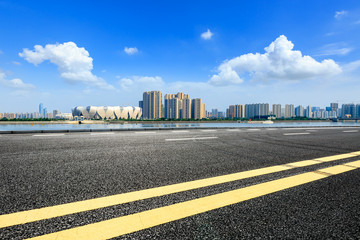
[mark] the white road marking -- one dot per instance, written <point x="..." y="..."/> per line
<point x="271" y="129"/>
<point x="144" y="132"/>
<point x="253" y="129"/>
<point x="208" y="130"/>
<point x="102" y="133"/>
<point x="48" y="135"/>
<point x="180" y="131"/>
<point x="318" y="128"/>
<point x="303" y="133"/>
<point x="189" y="139"/>
<point x="351" y="131"/>
<point x="311" y="130"/>
<point x="233" y="130"/>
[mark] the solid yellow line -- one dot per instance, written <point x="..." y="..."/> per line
<point x="33" y="215"/>
<point x="139" y="221"/>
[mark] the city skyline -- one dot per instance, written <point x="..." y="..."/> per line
<point x="181" y="106"/>
<point x="303" y="53"/>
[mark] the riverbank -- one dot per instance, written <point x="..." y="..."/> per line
<point x="148" y="122"/>
<point x="54" y="122"/>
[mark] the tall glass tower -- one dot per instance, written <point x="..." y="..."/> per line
<point x="41" y="109"/>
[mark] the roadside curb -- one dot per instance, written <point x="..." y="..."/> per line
<point x="155" y="129"/>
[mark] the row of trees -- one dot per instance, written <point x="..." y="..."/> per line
<point x="29" y="119"/>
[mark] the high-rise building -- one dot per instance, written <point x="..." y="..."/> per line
<point x="313" y="109"/>
<point x="236" y="111"/>
<point x="41" y="109"/>
<point x="221" y="114"/>
<point x="55" y="112"/>
<point x="140" y="104"/>
<point x="299" y="111"/>
<point x="357" y="110"/>
<point x="289" y="111"/>
<point x="334" y="107"/>
<point x="214" y="113"/>
<point x="309" y="112"/>
<point x="276" y="110"/>
<point x="348" y="111"/>
<point x="197" y="109"/>
<point x="152" y="105"/>
<point x="257" y="110"/>
<point x="177" y="106"/>
<point x="186" y="108"/>
<point x="231" y="111"/>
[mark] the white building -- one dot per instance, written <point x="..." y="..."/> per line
<point x="107" y="112"/>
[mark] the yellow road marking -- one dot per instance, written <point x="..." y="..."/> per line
<point x="147" y="219"/>
<point x="33" y="215"/>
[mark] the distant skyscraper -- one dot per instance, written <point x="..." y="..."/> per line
<point x="299" y="111"/>
<point x="152" y="105"/>
<point x="177" y="106"/>
<point x="186" y="108"/>
<point x="55" y="112"/>
<point x="309" y="112"/>
<point x="221" y="114"/>
<point x="348" y="111"/>
<point x="41" y="109"/>
<point x="313" y="109"/>
<point x="276" y="110"/>
<point x="289" y="111"/>
<point x="357" y="110"/>
<point x="257" y="110"/>
<point x="236" y="111"/>
<point x="197" y="109"/>
<point x="140" y="104"/>
<point x="214" y="113"/>
<point x="334" y="107"/>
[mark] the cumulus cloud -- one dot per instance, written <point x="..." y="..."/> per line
<point x="74" y="63"/>
<point x="339" y="14"/>
<point x="207" y="35"/>
<point x="15" y="83"/>
<point x="131" y="50"/>
<point x="140" y="82"/>
<point x="279" y="62"/>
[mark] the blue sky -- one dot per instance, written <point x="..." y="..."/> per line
<point x="210" y="49"/>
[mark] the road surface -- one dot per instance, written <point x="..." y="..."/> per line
<point x="181" y="184"/>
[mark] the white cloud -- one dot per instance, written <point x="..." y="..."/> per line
<point x="15" y="83"/>
<point x="131" y="50"/>
<point x="352" y="66"/>
<point x="279" y="62"/>
<point x="334" y="49"/>
<point x="74" y="63"/>
<point x="330" y="34"/>
<point x="207" y="35"/>
<point x="339" y="14"/>
<point x="16" y="63"/>
<point x="141" y="82"/>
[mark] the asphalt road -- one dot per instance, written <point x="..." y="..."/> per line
<point x="42" y="170"/>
